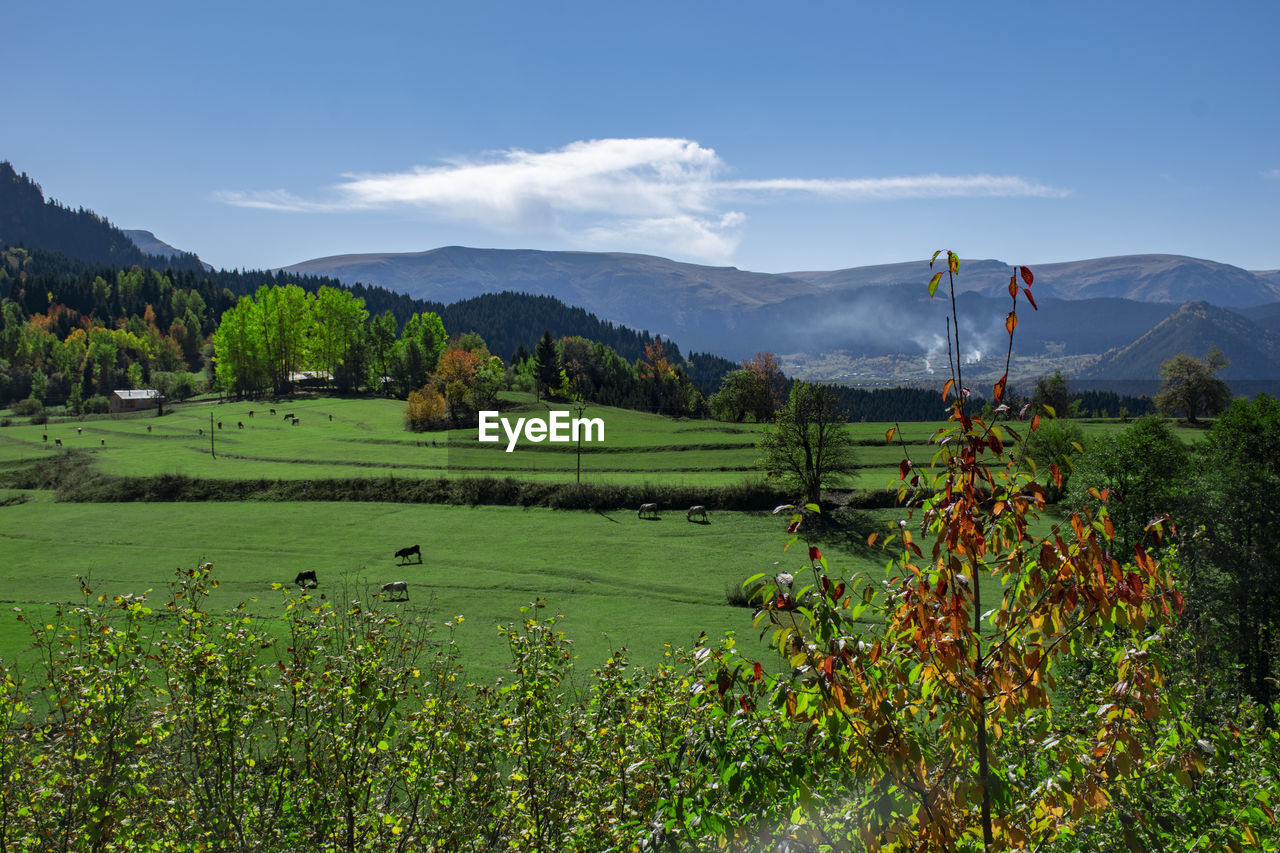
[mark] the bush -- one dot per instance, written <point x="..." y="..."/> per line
<point x="41" y="417"/>
<point x="97" y="406"/>
<point x="426" y="409"/>
<point x="1056" y="442"/>
<point x="353" y="732"/>
<point x="28" y="407"/>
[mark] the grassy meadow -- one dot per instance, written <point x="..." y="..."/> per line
<point x="341" y="438"/>
<point x="619" y="581"/>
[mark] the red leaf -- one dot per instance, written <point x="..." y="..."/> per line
<point x="758" y="671"/>
<point x="1178" y="603"/>
<point x="1011" y="322"/>
<point x="993" y="440"/>
<point x="1035" y="423"/>
<point x="793" y="527"/>
<point x="953" y="262"/>
<point x="1013" y="287"/>
<point x="1027" y="276"/>
<point x="903" y="468"/>
<point x="998" y="388"/>
<point x="1030" y="298"/>
<point x="947" y="387"/>
<point x="888" y="435"/>
<point x="839" y="592"/>
<point x="814" y="554"/>
<point x="1056" y="472"/>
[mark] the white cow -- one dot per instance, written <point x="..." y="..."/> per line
<point x="396" y="590"/>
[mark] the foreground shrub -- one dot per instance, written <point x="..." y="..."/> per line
<point x="171" y="727"/>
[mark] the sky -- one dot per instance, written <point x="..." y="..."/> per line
<point x="768" y="136"/>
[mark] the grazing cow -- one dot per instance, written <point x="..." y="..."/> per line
<point x="251" y="413"/>
<point x="650" y="509"/>
<point x="46" y="437"/>
<point x="104" y="442"/>
<point x="273" y="411"/>
<point x="295" y="421"/>
<point x="330" y="417"/>
<point x="290" y="416"/>
<point x="307" y="579"/>
<point x="219" y="424"/>
<point x="412" y="551"/>
<point x="148" y="427"/>
<point x="696" y="510"/>
<point x="240" y="424"/>
<point x="397" y="590"/>
<point x="58" y="441"/>
<point x="79" y="430"/>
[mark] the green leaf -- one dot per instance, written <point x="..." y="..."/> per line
<point x="934" y="258"/>
<point x="933" y="283"/>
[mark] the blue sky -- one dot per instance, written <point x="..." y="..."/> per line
<point x="771" y="137"/>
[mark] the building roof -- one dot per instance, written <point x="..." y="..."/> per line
<point x="137" y="394"/>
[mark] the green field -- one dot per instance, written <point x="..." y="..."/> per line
<point x="618" y="580"/>
<point x="338" y="438"/>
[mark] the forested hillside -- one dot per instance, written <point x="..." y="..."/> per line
<point x="26" y="219"/>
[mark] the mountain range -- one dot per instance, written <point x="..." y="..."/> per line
<point x="1086" y="307"/>
<point x="1105" y="318"/>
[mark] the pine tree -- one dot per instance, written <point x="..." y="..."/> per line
<point x="547" y="360"/>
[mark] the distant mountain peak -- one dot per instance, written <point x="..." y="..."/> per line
<point x="152" y="245"/>
<point x="1195" y="328"/>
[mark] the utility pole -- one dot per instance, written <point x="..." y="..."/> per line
<point x="579" y="406"/>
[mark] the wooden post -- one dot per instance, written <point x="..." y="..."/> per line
<point x="212" y="453"/>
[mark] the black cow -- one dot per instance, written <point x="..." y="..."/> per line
<point x="405" y="553"/>
<point x="307" y="579"/>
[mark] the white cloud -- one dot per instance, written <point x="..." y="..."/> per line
<point x="907" y="186"/>
<point x="1272" y="174"/>
<point x="656" y="194"/>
